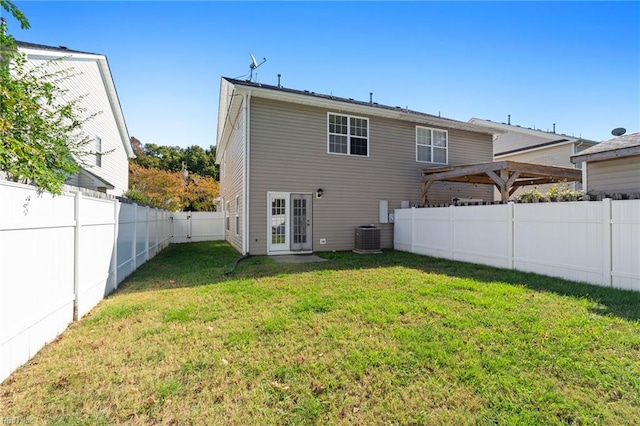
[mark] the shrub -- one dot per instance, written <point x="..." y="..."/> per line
<point x="530" y="196"/>
<point x="562" y="192"/>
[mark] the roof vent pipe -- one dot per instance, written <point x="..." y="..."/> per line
<point x="370" y="97"/>
<point x="279" y="86"/>
<point x="554" y="127"/>
<point x="509" y="119"/>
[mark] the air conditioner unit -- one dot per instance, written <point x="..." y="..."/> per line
<point x="367" y="239"/>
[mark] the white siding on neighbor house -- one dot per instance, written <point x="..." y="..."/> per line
<point x="618" y="175"/>
<point x="231" y="179"/>
<point x="86" y="80"/>
<point x="288" y="153"/>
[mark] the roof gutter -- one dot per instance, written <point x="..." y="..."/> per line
<point x="605" y="155"/>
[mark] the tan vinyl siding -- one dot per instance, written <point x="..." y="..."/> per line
<point x="619" y="175"/>
<point x="288" y="150"/>
<point x="551" y="156"/>
<point x="231" y="181"/>
<point x="514" y="140"/>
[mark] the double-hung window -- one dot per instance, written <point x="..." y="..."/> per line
<point x="348" y="135"/>
<point x="98" y="151"/>
<point x="431" y="145"/>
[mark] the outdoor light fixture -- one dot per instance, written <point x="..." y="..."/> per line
<point x="319" y="193"/>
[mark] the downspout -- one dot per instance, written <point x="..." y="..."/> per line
<point x="247" y="171"/>
<point x="235" y="264"/>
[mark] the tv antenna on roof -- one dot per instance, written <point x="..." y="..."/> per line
<point x="254" y="65"/>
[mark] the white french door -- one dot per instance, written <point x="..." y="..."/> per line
<point x="289" y="222"/>
<point x="278" y="222"/>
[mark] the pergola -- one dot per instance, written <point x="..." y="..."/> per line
<point x="507" y="176"/>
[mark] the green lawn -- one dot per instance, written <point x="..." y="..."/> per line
<point x="391" y="338"/>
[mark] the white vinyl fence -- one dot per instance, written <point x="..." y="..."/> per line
<point x="190" y="227"/>
<point x="59" y="256"/>
<point x="593" y="242"/>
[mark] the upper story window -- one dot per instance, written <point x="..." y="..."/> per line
<point x="98" y="151"/>
<point x="348" y="135"/>
<point x="431" y="145"/>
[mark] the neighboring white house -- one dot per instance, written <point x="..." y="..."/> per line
<point x="91" y="78"/>
<point x="612" y="167"/>
<point x="535" y="146"/>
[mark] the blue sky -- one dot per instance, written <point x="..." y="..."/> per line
<point x="576" y="64"/>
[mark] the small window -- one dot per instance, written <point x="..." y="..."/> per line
<point x="237" y="214"/>
<point x="348" y="135"/>
<point x="226" y="217"/>
<point x="432" y="145"/>
<point x="98" y="151"/>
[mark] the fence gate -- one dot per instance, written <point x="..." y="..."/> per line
<point x="181" y="231"/>
<point x="197" y="226"/>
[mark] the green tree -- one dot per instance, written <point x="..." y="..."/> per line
<point x="157" y="176"/>
<point x="200" y="193"/>
<point x="41" y="137"/>
<point x="171" y="190"/>
<point x="195" y="159"/>
<point x="16" y="13"/>
<point x="159" y="188"/>
<point x="201" y="161"/>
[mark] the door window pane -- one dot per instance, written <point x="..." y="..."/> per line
<point x="278" y="221"/>
<point x="299" y="221"/>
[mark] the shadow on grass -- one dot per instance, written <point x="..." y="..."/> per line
<point x="197" y="264"/>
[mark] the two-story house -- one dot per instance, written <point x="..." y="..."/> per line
<point x="299" y="171"/>
<point x="90" y="80"/>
